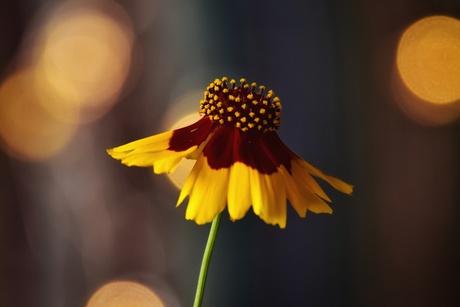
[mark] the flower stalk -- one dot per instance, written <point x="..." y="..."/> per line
<point x="206" y="260"/>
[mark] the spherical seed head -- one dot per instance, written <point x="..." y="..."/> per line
<point x="245" y="107"/>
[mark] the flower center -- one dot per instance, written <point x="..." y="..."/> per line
<point x="245" y="106"/>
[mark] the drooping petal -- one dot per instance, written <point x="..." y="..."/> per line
<point x="305" y="181"/>
<point x="275" y="145"/>
<point x="207" y="185"/>
<point x="335" y="182"/>
<point x="207" y="189"/>
<point x="301" y="197"/>
<point x="262" y="156"/>
<point x="239" y="191"/>
<point x="293" y="194"/>
<point x="170" y="163"/>
<point x="164" y="151"/>
<point x="258" y="170"/>
<point x="254" y="178"/>
<point x="269" y="197"/>
<point x="221" y="152"/>
<point x="143" y="152"/>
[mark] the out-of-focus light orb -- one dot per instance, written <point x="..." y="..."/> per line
<point x="124" y="294"/>
<point x="27" y="130"/>
<point x="71" y="70"/>
<point x="84" y="54"/>
<point x="428" y="59"/>
<point x="181" y="107"/>
<point x="184" y="168"/>
<point x="420" y="110"/>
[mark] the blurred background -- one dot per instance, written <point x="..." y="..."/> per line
<point x="370" y="93"/>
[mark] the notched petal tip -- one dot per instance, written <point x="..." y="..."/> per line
<point x="109" y="151"/>
<point x="117" y="155"/>
<point x="274" y="220"/>
<point x="320" y="207"/>
<point x="338" y="184"/>
<point x="280" y="224"/>
<point x="199" y="220"/>
<point x="346" y="187"/>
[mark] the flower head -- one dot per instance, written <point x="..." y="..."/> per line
<point x="240" y="160"/>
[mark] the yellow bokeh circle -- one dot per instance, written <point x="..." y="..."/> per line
<point x="85" y="56"/>
<point x="124" y="294"/>
<point x="428" y="59"/>
<point x="27" y="130"/>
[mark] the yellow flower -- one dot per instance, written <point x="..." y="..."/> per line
<point x="240" y="160"/>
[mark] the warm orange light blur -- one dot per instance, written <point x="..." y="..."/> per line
<point x="428" y="59"/>
<point x="84" y="56"/>
<point x="182" y="171"/>
<point x="124" y="294"/>
<point x="28" y="131"/>
<point x="182" y="106"/>
<point x="71" y="71"/>
<point x="419" y="110"/>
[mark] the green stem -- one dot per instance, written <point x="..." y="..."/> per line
<point x="205" y="261"/>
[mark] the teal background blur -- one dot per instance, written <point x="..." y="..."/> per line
<point x="79" y="219"/>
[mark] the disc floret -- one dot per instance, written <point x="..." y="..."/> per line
<point x="244" y="106"/>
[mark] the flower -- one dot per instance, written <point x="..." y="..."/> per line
<point x="240" y="160"/>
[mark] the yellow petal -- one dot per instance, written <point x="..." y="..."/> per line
<point x="268" y="197"/>
<point x="208" y="196"/>
<point x="295" y="198"/>
<point x="336" y="183"/>
<point x="151" y="151"/>
<point x="164" y="151"/>
<point x="316" y="204"/>
<point x="170" y="163"/>
<point x="277" y="186"/>
<point x="195" y="154"/>
<point x="239" y="191"/>
<point x="302" y="199"/>
<point x="190" y="181"/>
<point x="152" y="144"/>
<point x="305" y="181"/>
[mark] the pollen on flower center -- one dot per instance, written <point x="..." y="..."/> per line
<point x="245" y="106"/>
